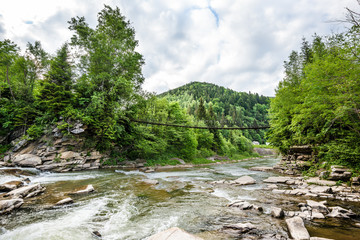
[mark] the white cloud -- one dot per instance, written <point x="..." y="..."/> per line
<point x="236" y="44"/>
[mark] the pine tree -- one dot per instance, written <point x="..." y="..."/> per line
<point x="55" y="92"/>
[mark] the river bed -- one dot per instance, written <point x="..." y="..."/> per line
<point x="124" y="207"/>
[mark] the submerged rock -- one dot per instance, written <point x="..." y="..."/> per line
<point x="10" y="204"/>
<point x="26" y="192"/>
<point x="238" y="229"/>
<point x="151" y="181"/>
<point x="244" y="180"/>
<point x="297" y="228"/>
<point x="174" y="233"/>
<point x="261" y="169"/>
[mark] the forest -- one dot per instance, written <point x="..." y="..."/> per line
<point x="318" y="101"/>
<point x="95" y="79"/>
<point x="228" y="107"/>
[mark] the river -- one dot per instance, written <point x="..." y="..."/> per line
<point x="124" y="207"/>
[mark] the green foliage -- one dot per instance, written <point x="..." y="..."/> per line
<point x="318" y="101"/>
<point x="96" y="80"/>
<point x="218" y="105"/>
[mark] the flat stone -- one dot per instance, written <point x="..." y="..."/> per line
<point x="26" y="192"/>
<point x="240" y="227"/>
<point x="318" y="181"/>
<point x="10" y="204"/>
<point x="69" y="155"/>
<point x="245" y="180"/>
<point x="277" y="179"/>
<point x="261" y="169"/>
<point x="174" y="233"/>
<point x="317" y="215"/>
<point x="271" y="186"/>
<point x="27" y="160"/>
<point x="9" y="186"/>
<point x="88" y="189"/>
<point x="277" y="212"/>
<point x="320" y="206"/>
<point x="339" y="212"/>
<point x="151" y="181"/>
<point x="320" y="189"/>
<point x="243" y="205"/>
<point x="297" y="228"/>
<point x="64" y="201"/>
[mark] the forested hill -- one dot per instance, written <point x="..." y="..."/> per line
<point x="230" y="108"/>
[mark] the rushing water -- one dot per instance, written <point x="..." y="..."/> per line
<point x="124" y="207"/>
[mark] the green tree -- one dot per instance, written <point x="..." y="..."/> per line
<point x="111" y="70"/>
<point x="55" y="91"/>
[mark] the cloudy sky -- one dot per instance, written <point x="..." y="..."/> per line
<point x="239" y="44"/>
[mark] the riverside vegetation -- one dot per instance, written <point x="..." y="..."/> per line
<point x="95" y="80"/>
<point x="74" y="111"/>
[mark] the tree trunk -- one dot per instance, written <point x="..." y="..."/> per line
<point x="8" y="81"/>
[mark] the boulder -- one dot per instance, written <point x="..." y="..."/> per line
<point x="10" y="204"/>
<point x="277" y="212"/>
<point x="26" y="192"/>
<point x="297" y="228"/>
<point x="27" y="160"/>
<point x="261" y="169"/>
<point x="69" y="155"/>
<point x="88" y="189"/>
<point x="277" y="179"/>
<point x="320" y="189"/>
<point x="244" y="180"/>
<point x="339" y="212"/>
<point x="9" y="186"/>
<point x="64" y="201"/>
<point x="173" y="233"/>
<point x="320" y="206"/>
<point x="238" y="229"/>
<point x="318" y="181"/>
<point x="243" y="205"/>
<point x="151" y="181"/>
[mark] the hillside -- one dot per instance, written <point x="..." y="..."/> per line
<point x="230" y="108"/>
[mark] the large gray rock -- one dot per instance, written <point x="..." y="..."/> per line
<point x="244" y="180"/>
<point x="277" y="179"/>
<point x="339" y="212"/>
<point x="151" y="181"/>
<point x="339" y="173"/>
<point x="320" y="206"/>
<point x="174" y="233"/>
<point x="9" y="186"/>
<point x="27" y="160"/>
<point x="88" y="189"/>
<point x="26" y="192"/>
<point x="277" y="212"/>
<point x="297" y="228"/>
<point x="10" y="204"/>
<point x="241" y="205"/>
<point x="262" y="169"/>
<point x="238" y="229"/>
<point x="64" y="201"/>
